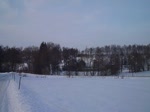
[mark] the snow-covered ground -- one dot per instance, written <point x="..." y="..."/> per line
<point x="86" y="94"/>
<point x="80" y="94"/>
<point x="4" y="83"/>
<point x="126" y="73"/>
<point x="16" y="101"/>
<point x="11" y="99"/>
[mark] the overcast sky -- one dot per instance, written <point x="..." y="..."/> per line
<point x="74" y="23"/>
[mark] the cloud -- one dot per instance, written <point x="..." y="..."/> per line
<point x="31" y="6"/>
<point x="69" y="22"/>
<point x="6" y="11"/>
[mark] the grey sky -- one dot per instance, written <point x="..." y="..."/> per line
<point x="74" y="23"/>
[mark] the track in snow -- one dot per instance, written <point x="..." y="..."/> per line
<point x="4" y="83"/>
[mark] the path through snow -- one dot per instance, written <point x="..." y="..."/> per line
<point x="4" y="83"/>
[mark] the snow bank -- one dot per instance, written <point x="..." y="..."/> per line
<point x="16" y="102"/>
<point x="138" y="74"/>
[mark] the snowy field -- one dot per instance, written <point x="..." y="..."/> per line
<point x="80" y="94"/>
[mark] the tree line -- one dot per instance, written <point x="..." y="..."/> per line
<point x="51" y="58"/>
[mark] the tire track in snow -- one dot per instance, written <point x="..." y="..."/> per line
<point x="4" y="82"/>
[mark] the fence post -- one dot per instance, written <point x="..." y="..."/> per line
<point x="14" y="76"/>
<point x="19" y="82"/>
